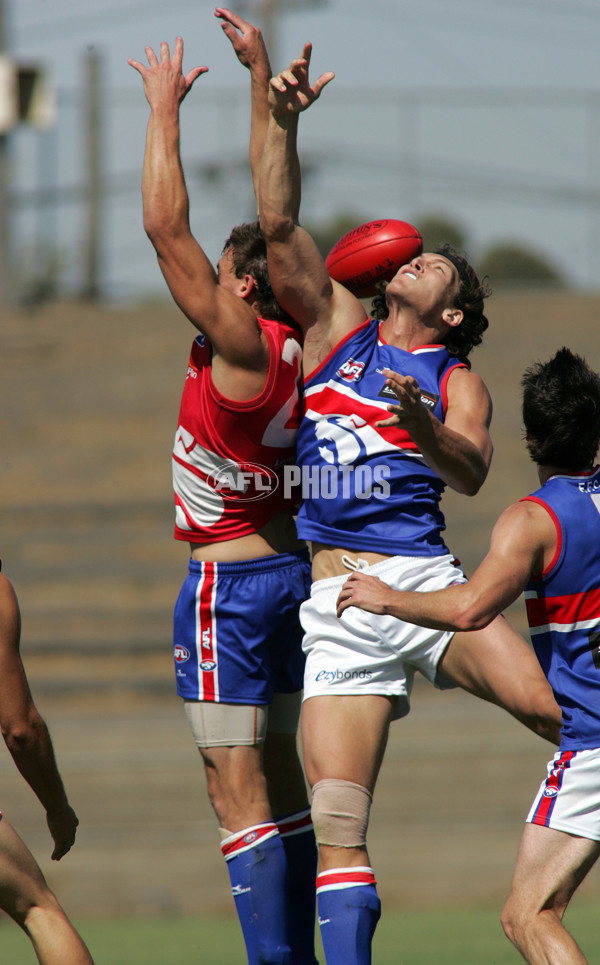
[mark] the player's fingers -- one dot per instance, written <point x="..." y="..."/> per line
<point x="231" y="18"/>
<point x="194" y="74"/>
<point x="178" y="53"/>
<point x="306" y="53"/>
<point x="322" y="82"/>
<point x="136" y="66"/>
<point x="164" y="52"/>
<point x="152" y="58"/>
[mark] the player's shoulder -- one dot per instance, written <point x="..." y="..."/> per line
<point x="467" y="387"/>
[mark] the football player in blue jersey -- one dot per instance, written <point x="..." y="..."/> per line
<point x="547" y="545"/>
<point x="360" y="667"/>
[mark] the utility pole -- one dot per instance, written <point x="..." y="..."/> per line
<point x="6" y="287"/>
<point x="93" y="169"/>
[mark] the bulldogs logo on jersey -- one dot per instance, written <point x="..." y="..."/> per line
<point x="351" y="370"/>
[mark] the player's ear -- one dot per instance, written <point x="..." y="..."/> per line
<point x="452" y="316"/>
<point x="247" y="286"/>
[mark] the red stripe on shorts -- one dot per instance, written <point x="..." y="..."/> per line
<point x="553" y="783"/>
<point x="206" y="643"/>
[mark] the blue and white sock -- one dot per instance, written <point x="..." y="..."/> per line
<point x="349" y="909"/>
<point x="257" y="868"/>
<point x="298" y="839"/>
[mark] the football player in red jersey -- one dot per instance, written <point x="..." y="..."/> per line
<point x="237" y="639"/>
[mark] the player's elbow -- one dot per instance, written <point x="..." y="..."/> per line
<point x="277" y="228"/>
<point x="20" y="734"/>
<point x="467" y="615"/>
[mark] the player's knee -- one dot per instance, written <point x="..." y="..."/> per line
<point x="507" y="921"/>
<point x="340" y="813"/>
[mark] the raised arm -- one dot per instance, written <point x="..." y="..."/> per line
<point x="25" y="732"/>
<point x="459" y="449"/>
<point x="249" y="46"/>
<point x="227" y="320"/>
<point x="523" y="541"/>
<point x="296" y="268"/>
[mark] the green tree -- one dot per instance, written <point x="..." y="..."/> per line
<point x="511" y="265"/>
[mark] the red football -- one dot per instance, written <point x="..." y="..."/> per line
<point x="371" y="253"/>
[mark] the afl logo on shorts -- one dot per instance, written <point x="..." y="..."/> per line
<point x="208" y="666"/>
<point x="181" y="654"/>
<point x="250" y="837"/>
<point x="550" y="791"/>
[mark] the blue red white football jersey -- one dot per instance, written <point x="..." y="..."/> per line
<point x="367" y="487"/>
<point x="229" y="457"/>
<point x="563" y="605"/>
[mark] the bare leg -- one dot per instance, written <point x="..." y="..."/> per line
<point x="498" y="665"/>
<point x="236" y="785"/>
<point x="25" y="896"/>
<point x="345" y="737"/>
<point x="550" y="866"/>
<point x="284" y="774"/>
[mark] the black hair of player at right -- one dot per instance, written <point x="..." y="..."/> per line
<point x="561" y="412"/>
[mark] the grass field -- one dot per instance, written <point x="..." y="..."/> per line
<point x="464" y="937"/>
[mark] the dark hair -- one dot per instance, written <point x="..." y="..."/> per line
<point x="469" y="298"/>
<point x="561" y="412"/>
<point x="249" y="253"/>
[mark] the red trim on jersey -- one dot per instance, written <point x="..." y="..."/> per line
<point x="444" y="383"/>
<point x="328" y="399"/>
<point x="341" y="342"/>
<point x="567" y="610"/>
<point x="559" y="537"/>
<point x="206" y="644"/>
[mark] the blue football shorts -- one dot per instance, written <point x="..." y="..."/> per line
<point x="237" y="634"/>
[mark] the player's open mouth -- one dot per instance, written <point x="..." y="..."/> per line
<point x="410" y="274"/>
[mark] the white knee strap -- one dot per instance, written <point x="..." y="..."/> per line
<point x="340" y="813"/>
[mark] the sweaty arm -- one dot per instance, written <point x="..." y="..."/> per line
<point x="296" y="268"/>
<point x="25" y="732"/>
<point x="459" y="449"/>
<point x="217" y="312"/>
<point x="523" y="541"/>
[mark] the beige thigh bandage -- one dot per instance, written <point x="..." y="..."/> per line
<point x="340" y="813"/>
<point x="226" y="725"/>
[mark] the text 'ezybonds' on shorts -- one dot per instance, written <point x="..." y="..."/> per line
<point x="569" y="799"/>
<point x="237" y="634"/>
<point x="366" y="653"/>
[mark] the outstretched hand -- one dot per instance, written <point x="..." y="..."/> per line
<point x="410" y="411"/>
<point x="290" y="92"/>
<point x="364" y="591"/>
<point x="246" y="40"/>
<point x="164" y="82"/>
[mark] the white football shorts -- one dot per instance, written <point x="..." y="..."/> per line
<point x="569" y="799"/>
<point x="365" y="653"/>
